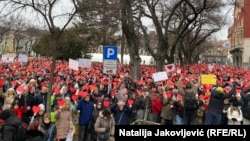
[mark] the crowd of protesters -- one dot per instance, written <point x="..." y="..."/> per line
<point x="88" y="101"/>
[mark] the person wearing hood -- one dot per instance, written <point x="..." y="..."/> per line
<point x="216" y="104"/>
<point x="105" y="123"/>
<point x="190" y="101"/>
<point x="11" y="122"/>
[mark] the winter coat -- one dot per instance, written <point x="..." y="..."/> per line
<point x="216" y="102"/>
<point x="235" y="114"/>
<point x="40" y="98"/>
<point x="167" y="111"/>
<point x="95" y="115"/>
<point x="19" y="112"/>
<point x="246" y="98"/>
<point x="9" y="128"/>
<point x="86" y="109"/>
<point x="121" y="116"/>
<point x="8" y="100"/>
<point x="63" y="124"/>
<point x="34" y="135"/>
<point x="27" y="100"/>
<point x="156" y="104"/>
<point x="143" y="102"/>
<point x="102" y="123"/>
<point x="49" y="131"/>
<point x="183" y="92"/>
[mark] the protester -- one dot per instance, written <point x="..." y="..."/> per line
<point x="9" y="98"/>
<point x="47" y="128"/>
<point x="121" y="112"/>
<point x="121" y="94"/>
<point x="215" y="107"/>
<point x="95" y="114"/>
<point x="105" y="123"/>
<point x="189" y="101"/>
<point x="41" y="97"/>
<point x="85" y="109"/>
<point x="11" y="122"/>
<point x="64" y="123"/>
<point x="234" y="114"/>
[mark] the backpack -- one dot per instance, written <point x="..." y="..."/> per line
<point x="21" y="131"/>
<point x="190" y="102"/>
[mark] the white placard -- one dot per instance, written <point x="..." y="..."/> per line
<point x="8" y="58"/>
<point x="73" y="64"/>
<point x="110" y="66"/>
<point x="23" y="58"/>
<point x="210" y="67"/>
<point x="85" y="63"/>
<point x="170" y="67"/>
<point x="159" y="76"/>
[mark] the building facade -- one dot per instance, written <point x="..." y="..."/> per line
<point x="217" y="53"/>
<point x="15" y="42"/>
<point x="239" y="34"/>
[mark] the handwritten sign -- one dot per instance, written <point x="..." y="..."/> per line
<point x="8" y="58"/>
<point x="208" y="79"/>
<point x="159" y="76"/>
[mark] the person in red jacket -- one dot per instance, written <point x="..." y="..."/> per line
<point x="156" y="107"/>
<point x="18" y="109"/>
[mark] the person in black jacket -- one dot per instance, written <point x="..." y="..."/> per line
<point x="11" y="122"/>
<point x="27" y="100"/>
<point x="95" y="114"/>
<point x="47" y="128"/>
<point x="216" y="105"/>
<point x="41" y="97"/>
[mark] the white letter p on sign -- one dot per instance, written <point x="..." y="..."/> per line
<point x="110" y="52"/>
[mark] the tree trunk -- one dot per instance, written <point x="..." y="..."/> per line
<point x="52" y="68"/>
<point x="122" y="47"/>
<point x="132" y="38"/>
<point x="159" y="64"/>
<point x="135" y="67"/>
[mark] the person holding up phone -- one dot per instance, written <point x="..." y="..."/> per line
<point x="234" y="114"/>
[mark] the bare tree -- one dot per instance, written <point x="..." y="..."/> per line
<point x="207" y="23"/>
<point x="48" y="12"/>
<point x="4" y="31"/>
<point x="133" y="40"/>
<point x="172" y="21"/>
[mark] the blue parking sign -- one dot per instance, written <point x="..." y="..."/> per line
<point x="110" y="52"/>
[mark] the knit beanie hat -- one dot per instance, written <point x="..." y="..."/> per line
<point x="5" y="114"/>
<point x="220" y="90"/>
<point x="42" y="107"/>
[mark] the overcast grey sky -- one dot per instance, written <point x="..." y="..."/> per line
<point x="65" y="6"/>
